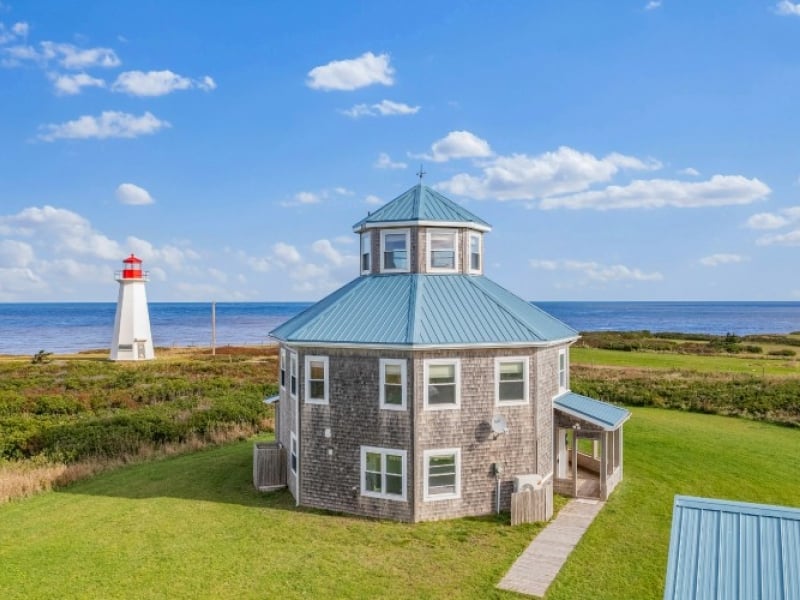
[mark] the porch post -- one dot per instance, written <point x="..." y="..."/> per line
<point x="575" y="463"/>
<point x="603" y="465"/>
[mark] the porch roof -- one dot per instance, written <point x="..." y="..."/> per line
<point x="602" y="414"/>
<point x="726" y="549"/>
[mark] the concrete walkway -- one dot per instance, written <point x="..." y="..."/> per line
<point x="537" y="567"/>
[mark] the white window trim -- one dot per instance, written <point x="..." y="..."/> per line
<point x="407" y="233"/>
<point x="426" y="455"/>
<point x="525" y="379"/>
<point x="293" y="373"/>
<point x="283" y="372"/>
<point x="442" y="361"/>
<point x="307" y="378"/>
<point x="470" y="237"/>
<point x="401" y="362"/>
<point x="403" y="454"/>
<point x="368" y="237"/>
<point x="565" y="387"/>
<point x="294" y="448"/>
<point x="429" y="252"/>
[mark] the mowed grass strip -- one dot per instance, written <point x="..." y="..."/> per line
<point x="624" y="553"/>
<point x="192" y="526"/>
<point x="735" y="364"/>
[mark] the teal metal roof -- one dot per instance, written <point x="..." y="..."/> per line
<point x="733" y="550"/>
<point x="421" y="203"/>
<point x="602" y="414"/>
<point x="423" y="310"/>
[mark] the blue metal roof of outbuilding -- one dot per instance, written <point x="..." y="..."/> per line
<point x="423" y="310"/>
<point x="602" y="414"/>
<point x="422" y="204"/>
<point x="733" y="550"/>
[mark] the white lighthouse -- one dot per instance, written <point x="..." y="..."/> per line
<point x="132" y="339"/>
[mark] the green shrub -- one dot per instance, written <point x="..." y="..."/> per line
<point x="782" y="352"/>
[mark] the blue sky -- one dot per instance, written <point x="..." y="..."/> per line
<point x="620" y="150"/>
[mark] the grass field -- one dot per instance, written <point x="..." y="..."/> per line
<point x="737" y="364"/>
<point x="191" y="526"/>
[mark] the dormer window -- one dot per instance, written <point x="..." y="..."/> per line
<point x="366" y="252"/>
<point x="442" y="250"/>
<point x="394" y="249"/>
<point x="474" y="253"/>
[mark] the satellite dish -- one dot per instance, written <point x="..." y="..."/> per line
<point x="499" y="425"/>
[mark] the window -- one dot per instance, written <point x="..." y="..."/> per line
<point x="283" y="369"/>
<point x="474" y="253"/>
<point x="562" y="371"/>
<point x="442" y="383"/>
<point x="393" y="384"/>
<point x="442" y="255"/>
<point x="293" y="453"/>
<point x="511" y="380"/>
<point x="383" y="473"/>
<point x="394" y="246"/>
<point x="316" y="373"/>
<point x="293" y="374"/>
<point x="442" y="474"/>
<point x="366" y="252"/>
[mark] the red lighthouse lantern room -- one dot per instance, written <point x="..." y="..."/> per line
<point x="132" y="268"/>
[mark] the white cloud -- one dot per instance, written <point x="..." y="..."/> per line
<point x="17" y="30"/>
<point x="373" y="200"/>
<point x="720" y="190"/>
<point x="128" y="193"/>
<point x="307" y="198"/>
<point x="384" y="108"/>
<point x="785" y="7"/>
<point x="15" y="254"/>
<point x="169" y="254"/>
<point x="595" y="271"/>
<point x="385" y="162"/>
<point x="774" y="221"/>
<point x="326" y="249"/>
<point x="66" y="55"/>
<point x="791" y="238"/>
<point x="110" y="124"/>
<point x="286" y="253"/>
<point x="716" y="260"/>
<point x="523" y="177"/>
<point x="64" y="229"/>
<point x="543" y="264"/>
<point x="72" y="57"/>
<point x="766" y="221"/>
<point x="343" y="191"/>
<point x="69" y="85"/>
<point x="206" y="84"/>
<point x="457" y="144"/>
<point x="652" y="5"/>
<point x="157" y="83"/>
<point x="689" y="171"/>
<point x="351" y="74"/>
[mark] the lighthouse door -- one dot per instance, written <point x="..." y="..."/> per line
<point x="140" y="350"/>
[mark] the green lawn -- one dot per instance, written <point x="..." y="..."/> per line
<point x="747" y="364"/>
<point x="192" y="527"/>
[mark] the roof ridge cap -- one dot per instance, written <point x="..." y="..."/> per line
<point x="413" y="314"/>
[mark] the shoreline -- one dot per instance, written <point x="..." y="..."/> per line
<point x="265" y="347"/>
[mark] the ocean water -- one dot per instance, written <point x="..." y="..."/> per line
<point x="72" y="327"/>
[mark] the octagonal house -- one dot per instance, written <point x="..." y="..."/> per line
<point x="423" y="390"/>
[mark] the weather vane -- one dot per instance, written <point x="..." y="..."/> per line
<point x="421" y="173"/>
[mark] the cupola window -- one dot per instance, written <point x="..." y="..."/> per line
<point x="395" y="250"/>
<point x="474" y="253"/>
<point x="366" y="252"/>
<point x="442" y="250"/>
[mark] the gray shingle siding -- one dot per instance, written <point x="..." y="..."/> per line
<point x="331" y="466"/>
